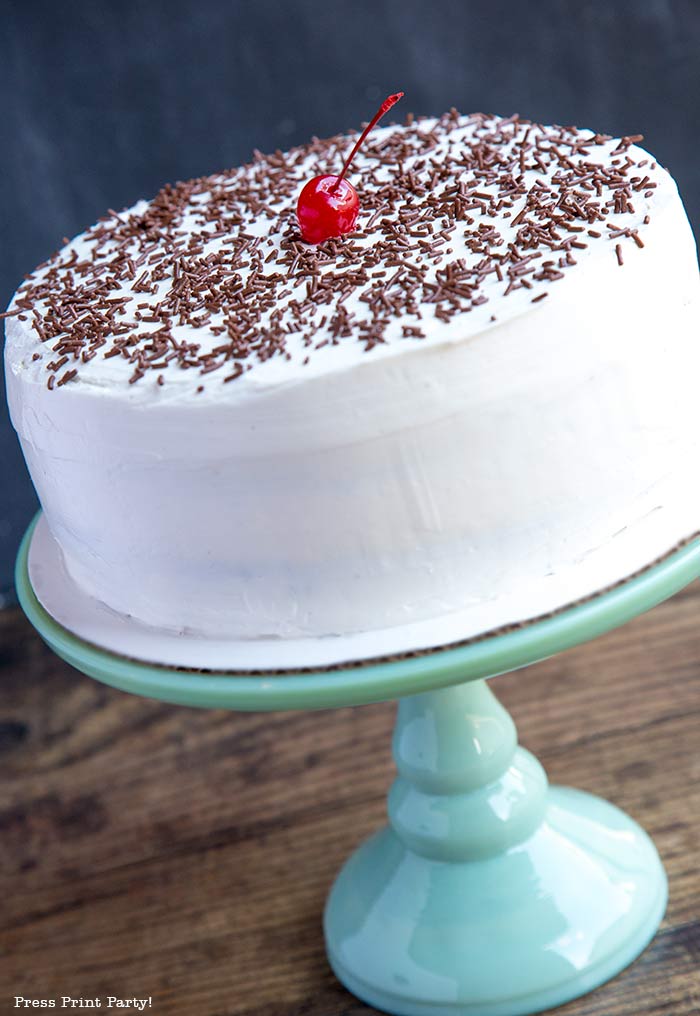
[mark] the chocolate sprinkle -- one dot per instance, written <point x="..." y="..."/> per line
<point x="212" y="275"/>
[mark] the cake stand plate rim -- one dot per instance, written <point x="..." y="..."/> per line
<point x="364" y="681"/>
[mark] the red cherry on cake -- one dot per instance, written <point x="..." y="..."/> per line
<point x="328" y="205"/>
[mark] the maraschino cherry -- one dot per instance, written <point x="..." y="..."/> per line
<point x="328" y="205"/>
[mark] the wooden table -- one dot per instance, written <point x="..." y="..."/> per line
<point x="156" y="851"/>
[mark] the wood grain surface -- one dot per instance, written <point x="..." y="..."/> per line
<point x="155" y="851"/>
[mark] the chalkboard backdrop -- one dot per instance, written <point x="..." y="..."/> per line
<point x="105" y="101"/>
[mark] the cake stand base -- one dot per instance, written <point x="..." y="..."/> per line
<point x="490" y="894"/>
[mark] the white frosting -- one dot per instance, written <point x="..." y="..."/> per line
<point x="444" y="486"/>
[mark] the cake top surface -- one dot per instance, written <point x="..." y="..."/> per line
<point x="465" y="222"/>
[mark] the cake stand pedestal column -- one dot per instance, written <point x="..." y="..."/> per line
<point x="489" y="893"/>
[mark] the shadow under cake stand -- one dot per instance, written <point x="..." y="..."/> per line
<point x="489" y="893"/>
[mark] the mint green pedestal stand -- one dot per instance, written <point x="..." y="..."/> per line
<point x="489" y="893"/>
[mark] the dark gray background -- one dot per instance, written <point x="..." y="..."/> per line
<point x="104" y="101"/>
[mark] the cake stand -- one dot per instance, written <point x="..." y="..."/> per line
<point x="489" y="893"/>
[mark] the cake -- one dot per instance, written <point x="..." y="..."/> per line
<point x="479" y="407"/>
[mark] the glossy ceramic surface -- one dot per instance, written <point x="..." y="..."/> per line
<point x="489" y="894"/>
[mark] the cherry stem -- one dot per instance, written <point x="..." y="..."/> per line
<point x="390" y="101"/>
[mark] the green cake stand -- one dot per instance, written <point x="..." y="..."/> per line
<point x="489" y="893"/>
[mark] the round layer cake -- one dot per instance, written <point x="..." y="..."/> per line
<point x="479" y="407"/>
